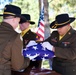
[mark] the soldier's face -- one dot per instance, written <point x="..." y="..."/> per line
<point x="16" y="21"/>
<point x="63" y="30"/>
<point x="24" y="25"/>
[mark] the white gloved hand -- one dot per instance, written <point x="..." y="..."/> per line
<point x="32" y="57"/>
<point x="31" y="43"/>
<point x="47" y="45"/>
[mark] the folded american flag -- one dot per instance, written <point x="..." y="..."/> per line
<point x="38" y="51"/>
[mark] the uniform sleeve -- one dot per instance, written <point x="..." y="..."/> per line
<point x="17" y="60"/>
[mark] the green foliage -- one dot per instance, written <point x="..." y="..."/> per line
<point x="62" y="6"/>
<point x="1" y="12"/>
<point x="0" y="19"/>
<point x="45" y="64"/>
<point x="71" y="2"/>
<point x="55" y="7"/>
<point x="29" y="7"/>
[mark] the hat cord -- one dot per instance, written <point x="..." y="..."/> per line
<point x="56" y="24"/>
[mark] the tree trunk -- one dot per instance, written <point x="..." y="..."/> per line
<point x="46" y="19"/>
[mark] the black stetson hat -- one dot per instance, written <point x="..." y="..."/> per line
<point x="61" y="20"/>
<point x="12" y="10"/>
<point x="28" y="18"/>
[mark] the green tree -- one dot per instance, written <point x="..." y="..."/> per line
<point x="55" y="7"/>
<point x="62" y="6"/>
<point x="29" y="7"/>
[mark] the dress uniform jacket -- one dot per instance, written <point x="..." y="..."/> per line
<point x="65" y="52"/>
<point x="28" y="36"/>
<point x="10" y="50"/>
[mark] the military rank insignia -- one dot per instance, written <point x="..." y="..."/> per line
<point x="66" y="44"/>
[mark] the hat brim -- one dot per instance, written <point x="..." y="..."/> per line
<point x="17" y="15"/>
<point x="54" y="26"/>
<point x="24" y="20"/>
<point x="32" y="22"/>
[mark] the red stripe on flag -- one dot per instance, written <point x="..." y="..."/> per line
<point x="41" y="24"/>
<point x="40" y="31"/>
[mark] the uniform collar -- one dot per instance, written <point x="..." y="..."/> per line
<point x="60" y="37"/>
<point x="25" y="31"/>
<point x="68" y="34"/>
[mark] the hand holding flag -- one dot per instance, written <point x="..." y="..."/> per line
<point x="38" y="51"/>
<point x="47" y="45"/>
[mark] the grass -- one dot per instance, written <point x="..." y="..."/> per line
<point x="45" y="64"/>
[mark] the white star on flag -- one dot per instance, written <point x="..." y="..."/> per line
<point x="35" y="47"/>
<point x="46" y="55"/>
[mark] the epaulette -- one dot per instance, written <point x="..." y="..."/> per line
<point x="37" y="38"/>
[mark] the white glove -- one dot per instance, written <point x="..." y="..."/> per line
<point x="32" y="57"/>
<point x="21" y="70"/>
<point x="31" y="43"/>
<point x="47" y="45"/>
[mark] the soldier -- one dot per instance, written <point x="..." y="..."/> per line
<point x="27" y="36"/>
<point x="64" y="42"/>
<point x="10" y="42"/>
